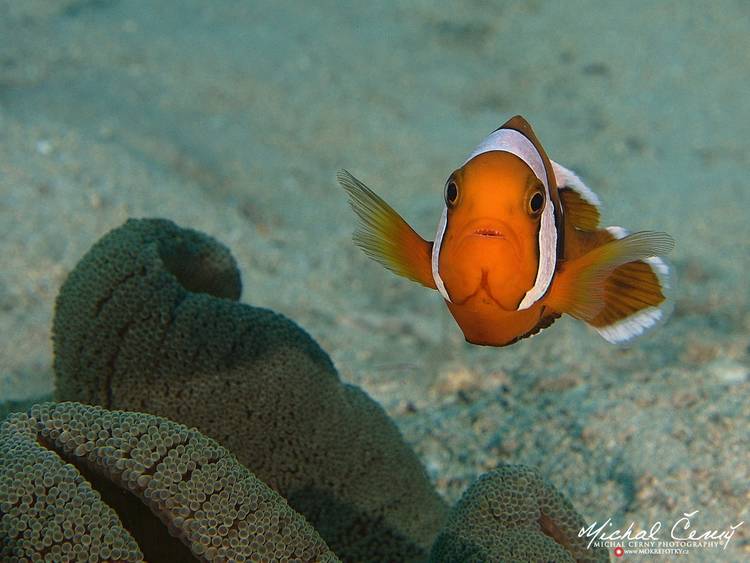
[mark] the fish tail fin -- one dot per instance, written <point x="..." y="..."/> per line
<point x="619" y="287"/>
<point x="384" y="235"/>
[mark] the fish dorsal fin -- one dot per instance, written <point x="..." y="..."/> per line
<point x="581" y="214"/>
<point x="580" y="204"/>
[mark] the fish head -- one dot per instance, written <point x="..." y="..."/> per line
<point x="489" y="252"/>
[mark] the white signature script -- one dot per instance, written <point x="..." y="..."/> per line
<point x="680" y="531"/>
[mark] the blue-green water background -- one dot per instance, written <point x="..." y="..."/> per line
<point x="232" y="117"/>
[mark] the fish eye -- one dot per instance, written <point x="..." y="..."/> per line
<point x="451" y="193"/>
<point x="536" y="203"/>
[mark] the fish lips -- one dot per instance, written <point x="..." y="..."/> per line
<point x="491" y="231"/>
<point x="488" y="233"/>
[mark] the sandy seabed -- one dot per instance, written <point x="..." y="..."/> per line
<point x="232" y="118"/>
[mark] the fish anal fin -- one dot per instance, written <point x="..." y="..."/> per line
<point x="384" y="235"/>
<point x="595" y="286"/>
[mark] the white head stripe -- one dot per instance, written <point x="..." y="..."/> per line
<point x="510" y="140"/>
<point x="514" y="142"/>
<point x="436" y="255"/>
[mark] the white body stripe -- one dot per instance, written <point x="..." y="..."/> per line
<point x="510" y="140"/>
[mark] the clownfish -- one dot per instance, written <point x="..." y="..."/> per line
<point x="518" y="245"/>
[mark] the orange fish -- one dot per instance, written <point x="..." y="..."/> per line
<point x="518" y="245"/>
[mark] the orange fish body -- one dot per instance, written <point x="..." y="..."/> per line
<point x="518" y="245"/>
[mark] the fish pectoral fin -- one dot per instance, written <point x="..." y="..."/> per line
<point x="615" y="283"/>
<point x="384" y="235"/>
<point x="580" y="204"/>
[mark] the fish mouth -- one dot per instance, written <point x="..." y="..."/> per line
<point x="489" y="233"/>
